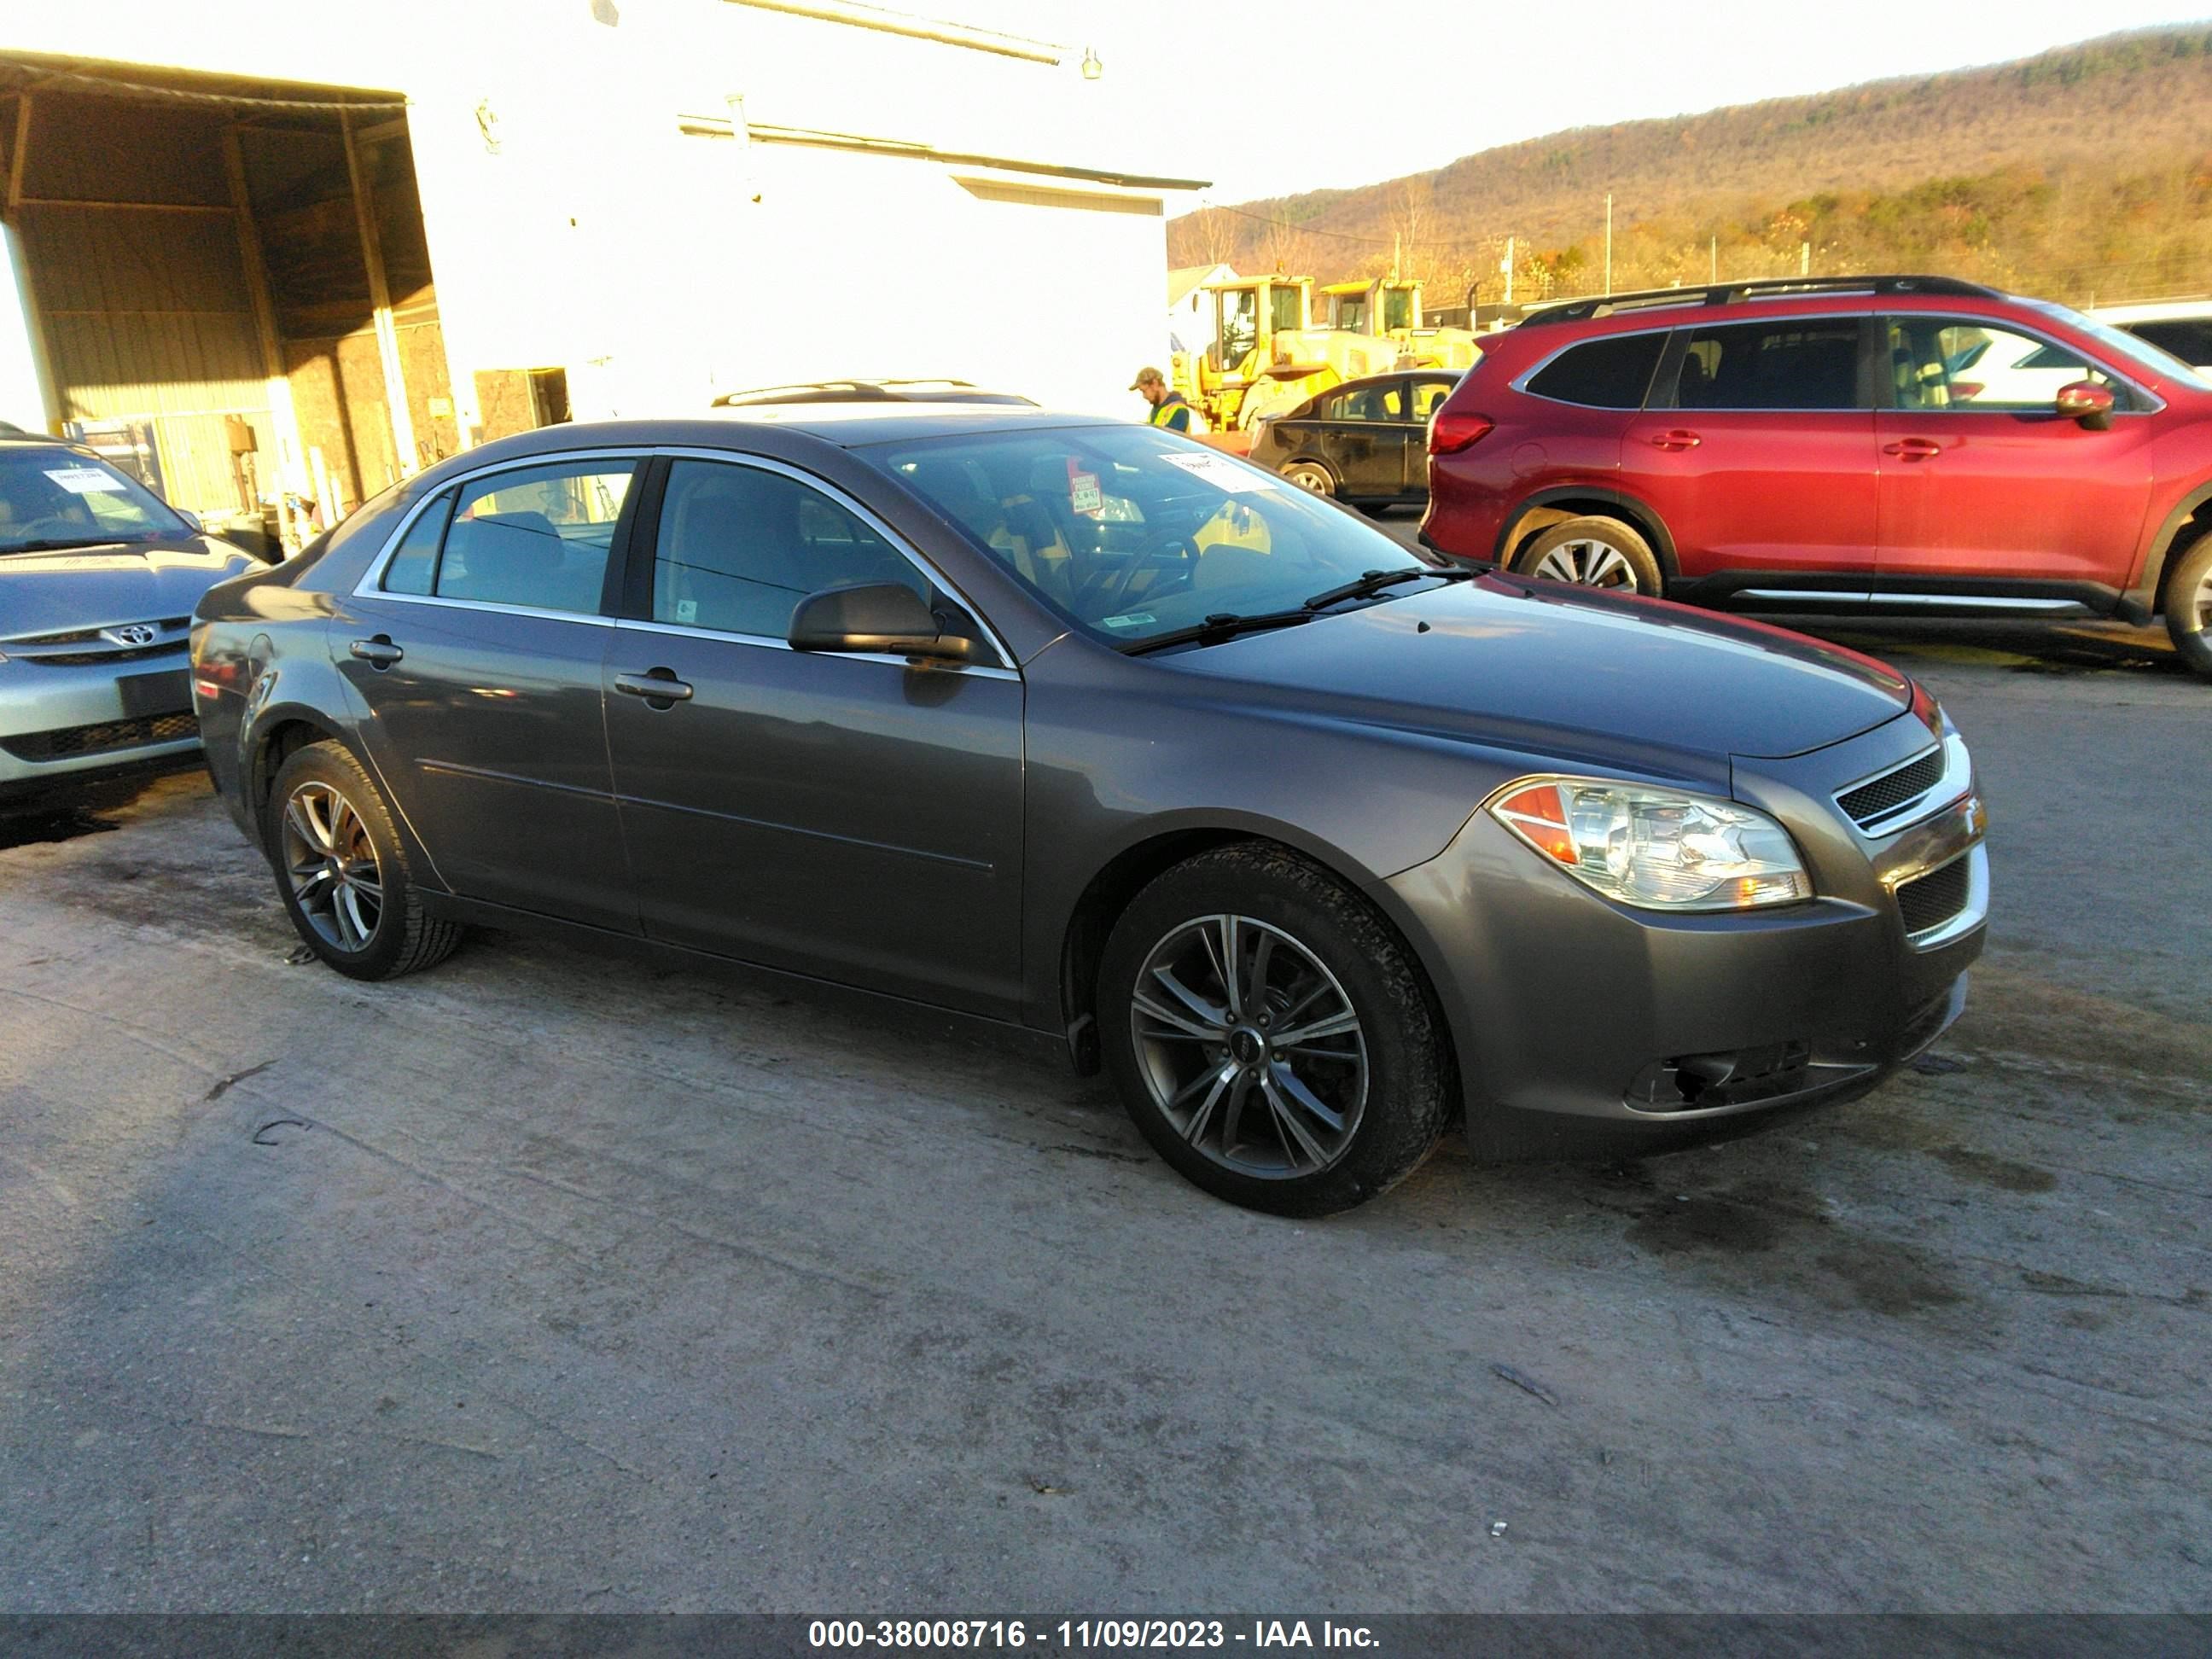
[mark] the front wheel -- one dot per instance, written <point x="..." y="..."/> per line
<point x="2189" y="605"/>
<point x="343" y="871"/>
<point x="1270" y="1035"/>
<point x="1592" y="551"/>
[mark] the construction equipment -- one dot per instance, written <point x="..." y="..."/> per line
<point x="1268" y="355"/>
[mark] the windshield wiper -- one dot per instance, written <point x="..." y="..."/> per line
<point x="1221" y="625"/>
<point x="1374" y="581"/>
<point x="55" y="544"/>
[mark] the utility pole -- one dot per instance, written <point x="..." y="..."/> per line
<point x="1507" y="267"/>
<point x="1715" y="267"/>
<point x="1804" y="259"/>
<point x="1608" y="242"/>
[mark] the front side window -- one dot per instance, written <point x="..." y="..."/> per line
<point x="1132" y="535"/>
<point x="1607" y="373"/>
<point x="537" y="537"/>
<point x="1938" y="364"/>
<point x="57" y="498"/>
<point x="1283" y="307"/>
<point x="1428" y="394"/>
<point x="2188" y="340"/>
<point x="1397" y="309"/>
<point x="1810" y="363"/>
<point x="740" y="546"/>
<point x="1237" y="328"/>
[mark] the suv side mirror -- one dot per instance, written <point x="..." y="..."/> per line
<point x="883" y="617"/>
<point x="2087" y="402"/>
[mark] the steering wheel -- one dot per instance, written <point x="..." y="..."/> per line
<point x="1177" y="552"/>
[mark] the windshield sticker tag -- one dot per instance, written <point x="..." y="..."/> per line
<point x="1083" y="492"/>
<point x="1225" y="474"/>
<point x="1131" y="619"/>
<point x="88" y="481"/>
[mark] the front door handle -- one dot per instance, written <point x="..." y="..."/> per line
<point x="1677" y="438"/>
<point x="378" y="653"/>
<point x="658" y="685"/>
<point x="1918" y="449"/>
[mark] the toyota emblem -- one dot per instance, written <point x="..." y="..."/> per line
<point x="132" y="633"/>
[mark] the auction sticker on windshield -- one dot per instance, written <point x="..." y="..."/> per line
<point x="87" y="481"/>
<point x="1225" y="474"/>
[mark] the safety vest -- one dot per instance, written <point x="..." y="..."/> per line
<point x="1165" y="411"/>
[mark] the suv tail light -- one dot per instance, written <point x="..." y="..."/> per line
<point x="1451" y="430"/>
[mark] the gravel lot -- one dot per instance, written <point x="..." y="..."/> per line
<point x="544" y="1282"/>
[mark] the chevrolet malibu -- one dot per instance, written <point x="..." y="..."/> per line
<point x="1318" y="848"/>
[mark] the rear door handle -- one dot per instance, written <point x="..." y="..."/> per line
<point x="379" y="652"/>
<point x="1675" y="440"/>
<point x="658" y="685"/>
<point x="1914" y="448"/>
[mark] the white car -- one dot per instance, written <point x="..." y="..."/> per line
<point x="2182" y="328"/>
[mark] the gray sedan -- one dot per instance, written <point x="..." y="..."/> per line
<point x="98" y="580"/>
<point x="1090" y="731"/>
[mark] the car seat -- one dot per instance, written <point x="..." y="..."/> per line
<point x="514" y="558"/>
<point x="732" y="558"/>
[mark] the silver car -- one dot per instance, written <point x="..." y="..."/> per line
<point x="98" y="580"/>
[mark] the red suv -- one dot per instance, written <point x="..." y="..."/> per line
<point x="1909" y="442"/>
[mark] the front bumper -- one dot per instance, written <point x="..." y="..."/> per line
<point x="1586" y="1026"/>
<point x="64" y="725"/>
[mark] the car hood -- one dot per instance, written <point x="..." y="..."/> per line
<point x="1533" y="663"/>
<point x="75" y="587"/>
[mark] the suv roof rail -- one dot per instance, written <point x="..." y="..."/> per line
<point x="1724" y="293"/>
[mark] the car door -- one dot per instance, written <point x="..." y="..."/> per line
<point x="1757" y="449"/>
<point x="851" y="816"/>
<point x="1363" y="435"/>
<point x="475" y="646"/>
<point x="1982" y="479"/>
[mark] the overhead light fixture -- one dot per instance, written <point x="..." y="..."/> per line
<point x="1092" y="69"/>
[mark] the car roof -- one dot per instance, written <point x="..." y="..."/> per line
<point x="2156" y="311"/>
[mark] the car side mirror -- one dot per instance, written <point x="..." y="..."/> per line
<point x="2087" y="402"/>
<point x="883" y="617"/>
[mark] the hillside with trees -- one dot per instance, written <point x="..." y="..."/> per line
<point x="2083" y="174"/>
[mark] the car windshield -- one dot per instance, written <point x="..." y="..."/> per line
<point x="1134" y="535"/>
<point x="53" y="498"/>
<point x="2140" y="352"/>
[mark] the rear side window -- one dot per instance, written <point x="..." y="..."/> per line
<point x="1367" y="403"/>
<point x="1609" y="374"/>
<point x="414" y="561"/>
<point x="2188" y="338"/>
<point x="1786" y="363"/>
<point x="537" y="537"/>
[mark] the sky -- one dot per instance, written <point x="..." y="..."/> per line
<point x="1271" y="97"/>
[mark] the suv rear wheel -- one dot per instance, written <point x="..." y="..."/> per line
<point x="2189" y="604"/>
<point x="1592" y="552"/>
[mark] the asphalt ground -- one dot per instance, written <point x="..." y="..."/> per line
<point x="545" y="1282"/>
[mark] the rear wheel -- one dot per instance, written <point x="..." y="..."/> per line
<point x="1270" y="1035"/>
<point x="343" y="871"/>
<point x="2189" y="605"/>
<point x="1310" y="476"/>
<point x="1592" y="552"/>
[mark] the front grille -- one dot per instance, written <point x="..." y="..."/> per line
<point x="93" y="645"/>
<point x="113" y="653"/>
<point x="71" y="741"/>
<point x="1935" y="898"/>
<point x="1876" y="799"/>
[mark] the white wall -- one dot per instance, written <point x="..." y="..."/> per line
<point x="600" y="237"/>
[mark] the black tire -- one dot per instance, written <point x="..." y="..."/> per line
<point x="1310" y="476"/>
<point x="1409" y="1092"/>
<point x="1376" y="509"/>
<point x="2188" y="605"/>
<point x="402" y="937"/>
<point x="1583" y="544"/>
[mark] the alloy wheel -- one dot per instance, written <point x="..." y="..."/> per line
<point x="1308" y="476"/>
<point x="332" y="863"/>
<point x="1588" y="562"/>
<point x="1250" y="1047"/>
<point x="2203" y="603"/>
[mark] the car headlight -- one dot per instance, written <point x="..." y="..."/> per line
<point x="1654" y="848"/>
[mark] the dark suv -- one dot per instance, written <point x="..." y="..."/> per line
<point x="1911" y="442"/>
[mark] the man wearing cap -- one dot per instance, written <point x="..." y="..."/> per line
<point x="1171" y="408"/>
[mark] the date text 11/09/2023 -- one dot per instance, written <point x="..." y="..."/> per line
<point x="1084" y="1635"/>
